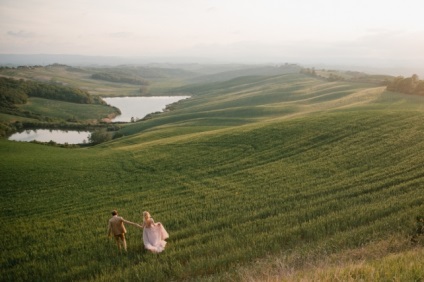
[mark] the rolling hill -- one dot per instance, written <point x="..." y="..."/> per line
<point x="264" y="177"/>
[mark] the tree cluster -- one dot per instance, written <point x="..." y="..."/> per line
<point x="11" y="92"/>
<point x="408" y="85"/>
<point x="330" y="77"/>
<point x="308" y="71"/>
<point x="102" y="134"/>
<point x="14" y="91"/>
<point x="112" y="77"/>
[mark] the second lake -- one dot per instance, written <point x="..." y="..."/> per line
<point x="138" y="107"/>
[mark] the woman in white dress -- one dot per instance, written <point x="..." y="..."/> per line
<point x="154" y="234"/>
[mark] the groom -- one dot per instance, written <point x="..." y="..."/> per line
<point x="116" y="226"/>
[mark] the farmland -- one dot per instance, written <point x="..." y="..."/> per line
<point x="268" y="177"/>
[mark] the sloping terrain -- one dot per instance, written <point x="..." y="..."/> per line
<point x="248" y="169"/>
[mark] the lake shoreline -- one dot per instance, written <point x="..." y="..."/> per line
<point x="135" y="108"/>
<point x="108" y="124"/>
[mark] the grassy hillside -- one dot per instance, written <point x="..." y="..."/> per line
<point x="281" y="172"/>
<point x="246" y="71"/>
<point x="74" y="77"/>
<point x="248" y="100"/>
<point x="65" y="110"/>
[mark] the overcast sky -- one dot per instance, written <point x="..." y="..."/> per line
<point x="388" y="33"/>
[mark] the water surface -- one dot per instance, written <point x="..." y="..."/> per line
<point x="131" y="108"/>
<point x="47" y="135"/>
<point x="138" y="107"/>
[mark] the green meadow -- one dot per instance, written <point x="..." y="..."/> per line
<point x="262" y="178"/>
<point x="65" y="110"/>
<point x="73" y="77"/>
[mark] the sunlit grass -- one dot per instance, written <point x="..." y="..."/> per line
<point x="321" y="183"/>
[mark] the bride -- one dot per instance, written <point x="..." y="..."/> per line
<point x="154" y="234"/>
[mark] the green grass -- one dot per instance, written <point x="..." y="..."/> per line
<point x="299" y="175"/>
<point x="79" y="79"/>
<point x="12" y="118"/>
<point x="396" y="267"/>
<point x="248" y="100"/>
<point x="392" y="259"/>
<point x="65" y="110"/>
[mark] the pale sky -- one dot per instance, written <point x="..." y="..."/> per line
<point x="382" y="32"/>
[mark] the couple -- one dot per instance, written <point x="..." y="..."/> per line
<point x="154" y="234"/>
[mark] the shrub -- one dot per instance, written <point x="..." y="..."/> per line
<point x="100" y="136"/>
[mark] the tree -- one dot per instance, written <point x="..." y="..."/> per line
<point x="406" y="86"/>
<point x="394" y="85"/>
<point x="100" y="136"/>
<point x="419" y="89"/>
<point x="415" y="78"/>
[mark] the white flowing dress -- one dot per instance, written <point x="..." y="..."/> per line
<point x="154" y="237"/>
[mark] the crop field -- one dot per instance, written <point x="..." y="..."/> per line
<point x="249" y="100"/>
<point x="246" y="173"/>
<point x="66" y="110"/>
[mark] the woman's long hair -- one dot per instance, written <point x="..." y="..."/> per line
<point x="146" y="219"/>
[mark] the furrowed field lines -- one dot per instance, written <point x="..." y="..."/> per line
<point x="377" y="269"/>
<point x="265" y="190"/>
<point x="306" y="188"/>
<point x="288" y="95"/>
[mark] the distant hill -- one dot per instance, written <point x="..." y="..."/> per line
<point x="250" y="71"/>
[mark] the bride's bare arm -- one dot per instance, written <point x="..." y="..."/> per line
<point x="133" y="223"/>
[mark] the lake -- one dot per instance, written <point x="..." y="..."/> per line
<point x="47" y="135"/>
<point x="139" y="107"/>
<point x="130" y="107"/>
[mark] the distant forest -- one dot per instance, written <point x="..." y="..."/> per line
<point x="14" y="91"/>
<point x="408" y="85"/>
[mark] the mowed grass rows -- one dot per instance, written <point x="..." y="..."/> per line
<point x="228" y="196"/>
<point x="248" y="100"/>
<point x="258" y="196"/>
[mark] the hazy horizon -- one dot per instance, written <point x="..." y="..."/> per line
<point x="388" y="35"/>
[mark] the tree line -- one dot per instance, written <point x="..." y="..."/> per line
<point x="408" y="85"/>
<point x="13" y="91"/>
<point x="330" y="77"/>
